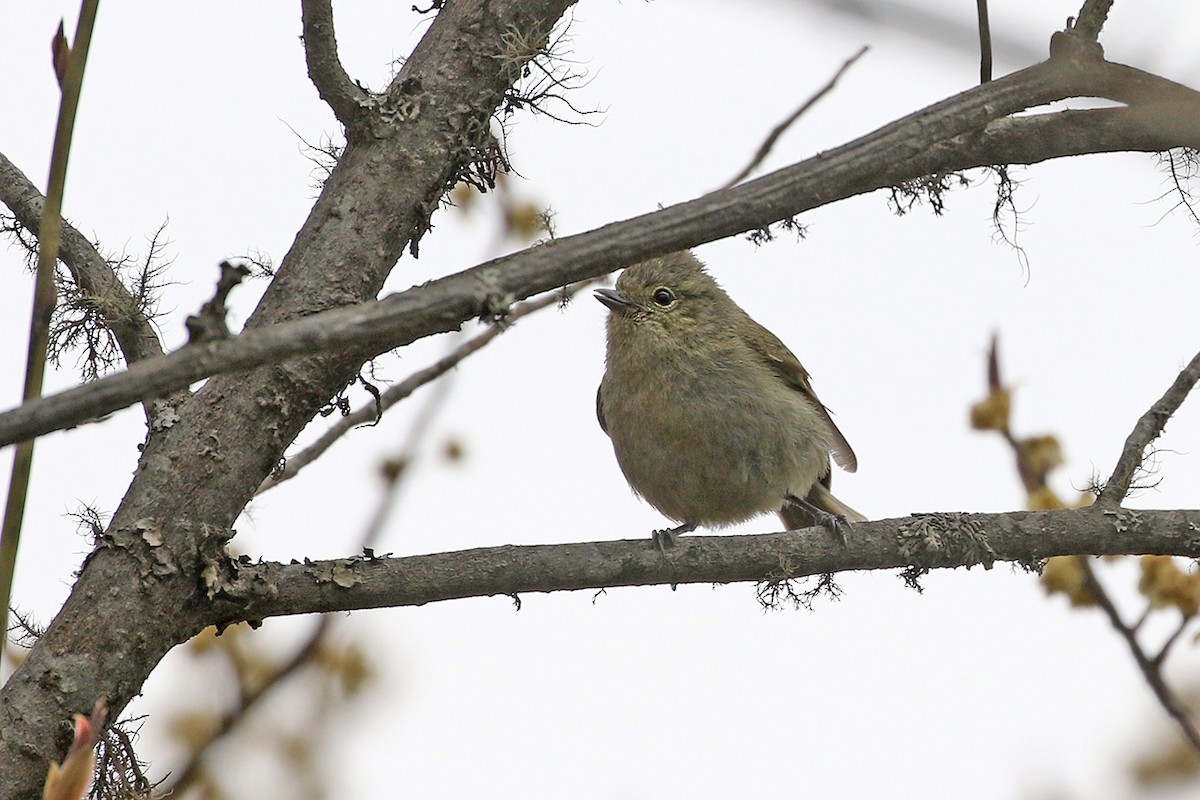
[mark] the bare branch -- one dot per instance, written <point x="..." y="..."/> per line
<point x="325" y="69"/>
<point x="993" y="414"/>
<point x="1161" y="655"/>
<point x="273" y="589"/>
<point x="402" y="390"/>
<point x="1091" y="18"/>
<point x="1182" y="165"/>
<point x="121" y="311"/>
<point x="1033" y="139"/>
<point x="930" y="141"/>
<point x="765" y="148"/>
<point x="1149" y="667"/>
<point x="210" y="322"/>
<point x="1147" y="429"/>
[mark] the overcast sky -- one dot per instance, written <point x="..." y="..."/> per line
<point x="980" y="687"/>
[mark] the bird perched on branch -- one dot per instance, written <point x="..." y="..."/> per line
<point x="712" y="419"/>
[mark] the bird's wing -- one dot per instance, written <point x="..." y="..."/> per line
<point x="789" y="369"/>
<point x="600" y="411"/>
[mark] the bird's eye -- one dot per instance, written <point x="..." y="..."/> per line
<point x="664" y="296"/>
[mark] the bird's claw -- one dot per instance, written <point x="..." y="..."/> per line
<point x="667" y="536"/>
<point x="663" y="539"/>
<point x="837" y="524"/>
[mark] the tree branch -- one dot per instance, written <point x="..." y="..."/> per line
<point x="259" y="591"/>
<point x="1152" y="128"/>
<point x="367" y="414"/>
<point x="765" y="148"/>
<point x="375" y="203"/>
<point x="264" y="688"/>
<point x="1148" y="666"/>
<point x="939" y="138"/>
<point x="1091" y="18"/>
<point x="993" y="413"/>
<point x="121" y="312"/>
<point x="1147" y="429"/>
<point x="325" y="69"/>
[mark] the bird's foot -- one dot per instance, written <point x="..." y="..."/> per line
<point x="665" y="538"/>
<point x="837" y="524"/>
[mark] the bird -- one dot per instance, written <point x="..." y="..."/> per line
<point x="711" y="417"/>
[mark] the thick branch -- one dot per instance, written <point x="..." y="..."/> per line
<point x="271" y="589"/>
<point x="1147" y="429"/>
<point x="222" y="440"/>
<point x="1030" y="140"/>
<point x="939" y="139"/>
<point x="325" y="68"/>
<point x="132" y="330"/>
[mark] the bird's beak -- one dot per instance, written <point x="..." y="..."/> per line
<point x="613" y="299"/>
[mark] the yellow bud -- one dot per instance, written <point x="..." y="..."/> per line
<point x="453" y="450"/>
<point x="204" y="641"/>
<point x="1044" y="499"/>
<point x="392" y="468"/>
<point x="463" y="196"/>
<point x="1064" y="574"/>
<point x="1164" y="584"/>
<point x="991" y="413"/>
<point x="1041" y="454"/>
<point x="524" y="221"/>
<point x="347" y="664"/>
<point x="193" y="729"/>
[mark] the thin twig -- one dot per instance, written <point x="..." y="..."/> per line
<point x="1033" y="477"/>
<point x="765" y="149"/>
<point x="400" y="464"/>
<point x="400" y="391"/>
<point x="1146" y="431"/>
<point x="1149" y="667"/>
<point x="248" y="700"/>
<point x="45" y="294"/>
<point x="1137" y="626"/>
<point x="985" y="41"/>
<point x="1166" y="648"/>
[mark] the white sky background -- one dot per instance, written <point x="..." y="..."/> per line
<point x="980" y="687"/>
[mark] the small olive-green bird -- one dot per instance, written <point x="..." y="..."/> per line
<point x="712" y="418"/>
